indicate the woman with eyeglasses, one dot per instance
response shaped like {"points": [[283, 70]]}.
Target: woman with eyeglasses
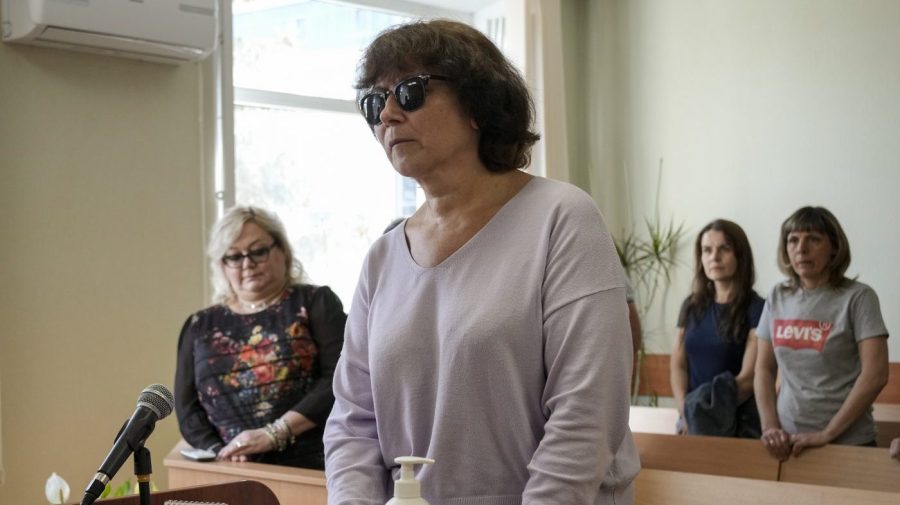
{"points": [[824, 334], [254, 370], [489, 330]]}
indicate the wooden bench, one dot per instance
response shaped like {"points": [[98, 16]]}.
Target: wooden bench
{"points": [[662, 487], [733, 457], [845, 466]]}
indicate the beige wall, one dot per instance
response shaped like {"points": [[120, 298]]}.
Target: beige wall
{"points": [[758, 108], [101, 257]]}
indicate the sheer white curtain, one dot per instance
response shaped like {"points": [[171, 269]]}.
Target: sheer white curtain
{"points": [[545, 73], [572, 65]]}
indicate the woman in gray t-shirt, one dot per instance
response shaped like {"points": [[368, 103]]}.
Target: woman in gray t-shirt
{"points": [[824, 333]]}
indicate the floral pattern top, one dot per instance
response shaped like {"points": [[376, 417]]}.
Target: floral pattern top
{"points": [[241, 371]]}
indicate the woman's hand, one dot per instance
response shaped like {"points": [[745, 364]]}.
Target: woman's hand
{"points": [[777, 442], [895, 448], [678, 378], [803, 441], [681, 427], [247, 442]]}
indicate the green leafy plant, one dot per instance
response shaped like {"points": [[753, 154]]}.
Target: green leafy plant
{"points": [[648, 256], [124, 489]]}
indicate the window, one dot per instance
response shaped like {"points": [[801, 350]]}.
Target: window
{"points": [[300, 147]]}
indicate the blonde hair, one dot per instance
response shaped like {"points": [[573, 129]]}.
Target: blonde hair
{"points": [[228, 228]]}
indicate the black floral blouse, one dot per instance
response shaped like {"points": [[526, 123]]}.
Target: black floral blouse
{"points": [[241, 371]]}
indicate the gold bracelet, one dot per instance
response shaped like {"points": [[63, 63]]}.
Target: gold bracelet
{"points": [[283, 427], [277, 444]]}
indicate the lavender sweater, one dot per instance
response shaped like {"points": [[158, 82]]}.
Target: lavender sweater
{"points": [[509, 364]]}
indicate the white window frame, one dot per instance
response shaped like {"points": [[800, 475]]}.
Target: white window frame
{"points": [[230, 96], [513, 21]]}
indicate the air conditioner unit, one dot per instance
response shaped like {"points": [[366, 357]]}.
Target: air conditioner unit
{"points": [[165, 31]]}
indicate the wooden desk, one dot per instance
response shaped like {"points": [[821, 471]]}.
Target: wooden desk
{"points": [[733, 457], [295, 486], [845, 466], [661, 487]]}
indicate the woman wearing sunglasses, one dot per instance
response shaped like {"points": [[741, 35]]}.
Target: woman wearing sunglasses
{"points": [[254, 370], [489, 330]]}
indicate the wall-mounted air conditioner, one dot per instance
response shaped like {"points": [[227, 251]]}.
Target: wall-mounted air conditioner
{"points": [[166, 31]]}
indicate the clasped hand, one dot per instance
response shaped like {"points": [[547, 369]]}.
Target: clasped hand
{"points": [[781, 444]]}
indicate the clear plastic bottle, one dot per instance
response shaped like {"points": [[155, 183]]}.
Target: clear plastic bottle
{"points": [[407, 490]]}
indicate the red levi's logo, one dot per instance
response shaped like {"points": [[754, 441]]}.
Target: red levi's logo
{"points": [[801, 334]]}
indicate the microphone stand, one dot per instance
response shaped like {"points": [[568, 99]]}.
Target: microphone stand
{"points": [[142, 470]]}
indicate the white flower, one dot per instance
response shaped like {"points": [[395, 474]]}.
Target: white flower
{"points": [[56, 489]]}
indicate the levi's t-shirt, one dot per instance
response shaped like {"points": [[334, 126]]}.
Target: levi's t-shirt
{"points": [[815, 334]]}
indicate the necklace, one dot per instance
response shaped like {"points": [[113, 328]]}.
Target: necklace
{"points": [[255, 306], [260, 305]]}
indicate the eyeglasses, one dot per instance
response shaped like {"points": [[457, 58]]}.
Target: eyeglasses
{"points": [[256, 256], [410, 95]]}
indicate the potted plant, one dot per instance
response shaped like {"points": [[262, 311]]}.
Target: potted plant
{"points": [[648, 256]]}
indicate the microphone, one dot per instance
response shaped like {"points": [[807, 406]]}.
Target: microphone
{"points": [[154, 403]]}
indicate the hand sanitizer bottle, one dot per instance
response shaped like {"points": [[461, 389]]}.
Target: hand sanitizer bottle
{"points": [[407, 490]]}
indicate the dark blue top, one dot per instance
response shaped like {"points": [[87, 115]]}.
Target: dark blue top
{"points": [[708, 354]]}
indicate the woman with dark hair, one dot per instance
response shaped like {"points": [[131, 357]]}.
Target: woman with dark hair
{"points": [[712, 361], [824, 334], [489, 330]]}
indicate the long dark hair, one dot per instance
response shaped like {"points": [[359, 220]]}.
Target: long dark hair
{"points": [[731, 325]]}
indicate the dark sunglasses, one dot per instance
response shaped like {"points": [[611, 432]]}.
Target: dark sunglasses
{"points": [[410, 95]]}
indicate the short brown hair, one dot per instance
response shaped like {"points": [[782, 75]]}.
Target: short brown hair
{"points": [[817, 219], [489, 88]]}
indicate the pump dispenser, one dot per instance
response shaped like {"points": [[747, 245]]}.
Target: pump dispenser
{"points": [[407, 490]]}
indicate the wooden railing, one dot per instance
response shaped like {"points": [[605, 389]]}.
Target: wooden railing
{"points": [[869, 468], [732, 457], [655, 382], [294, 486], [663, 487], [677, 470], [845, 466]]}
